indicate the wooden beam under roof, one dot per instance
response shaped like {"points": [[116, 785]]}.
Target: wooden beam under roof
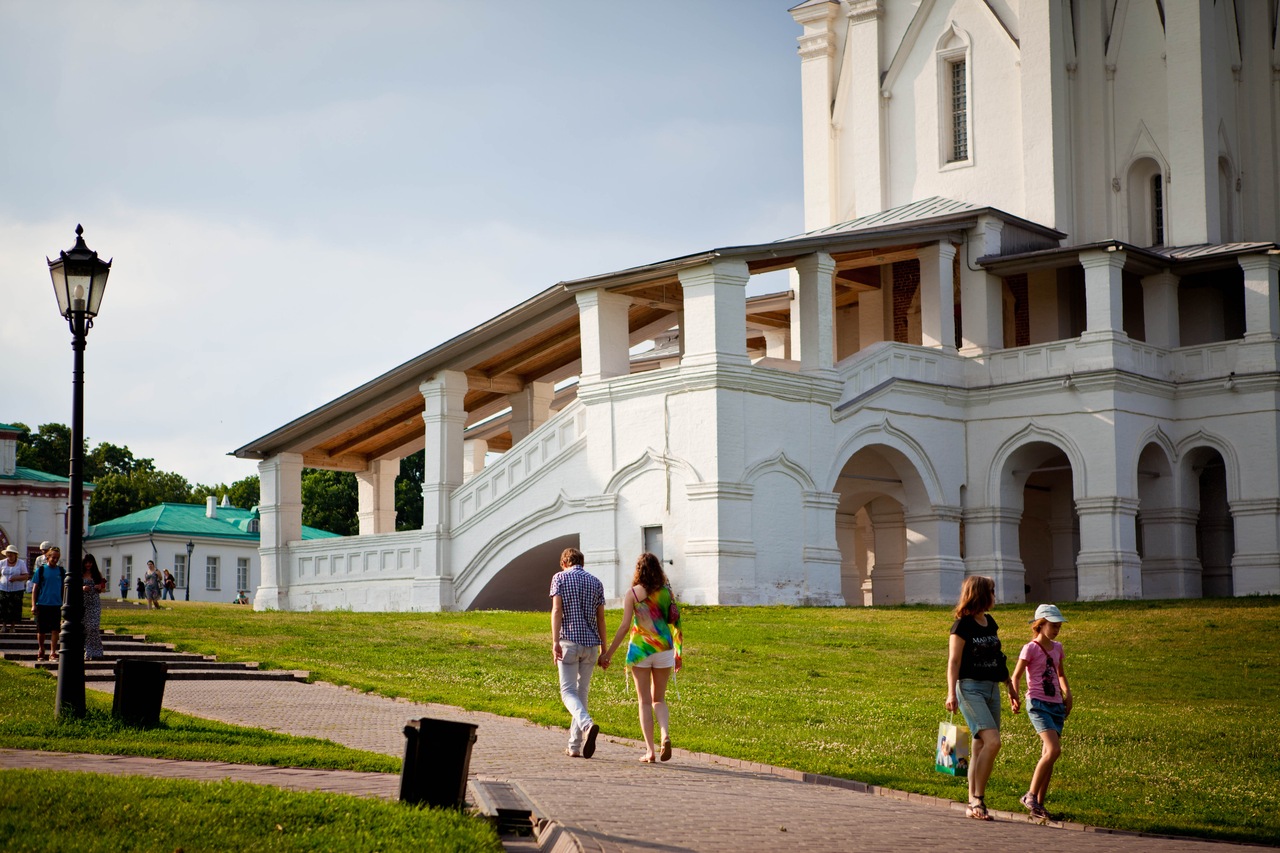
{"points": [[509, 360], [876, 257], [352, 463], [368, 430]]}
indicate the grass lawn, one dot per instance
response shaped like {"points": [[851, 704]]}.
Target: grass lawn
{"points": [[27, 722], [1174, 730], [48, 811]]}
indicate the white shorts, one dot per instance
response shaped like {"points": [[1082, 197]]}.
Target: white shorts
{"points": [[657, 660]]}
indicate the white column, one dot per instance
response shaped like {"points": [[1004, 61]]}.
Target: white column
{"points": [[715, 313], [871, 319], [1160, 309], [937, 296], [1063, 533], [777, 343], [24, 506], [1103, 293], [981, 293], [992, 549], [474, 451], [933, 570], [444, 418], [891, 553], [279, 523], [1108, 565], [1261, 297], [1192, 207], [814, 309], [1255, 567], [817, 86], [376, 491], [822, 582], [602, 320], [863, 138], [530, 408], [1170, 567]]}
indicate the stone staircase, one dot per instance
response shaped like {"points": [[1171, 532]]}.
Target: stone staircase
{"points": [[20, 647]]}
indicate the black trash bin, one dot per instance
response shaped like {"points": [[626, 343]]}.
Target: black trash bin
{"points": [[139, 691], [437, 759]]}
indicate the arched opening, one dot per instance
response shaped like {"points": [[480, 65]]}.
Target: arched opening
{"points": [[1206, 477], [876, 486], [523, 583], [1146, 188], [1040, 496], [1166, 530]]}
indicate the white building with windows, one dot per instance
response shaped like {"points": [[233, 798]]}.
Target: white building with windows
{"points": [[223, 548], [33, 504], [1033, 332]]}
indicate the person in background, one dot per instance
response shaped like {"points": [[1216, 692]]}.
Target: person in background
{"points": [[13, 583], [652, 617], [152, 583], [242, 598], [46, 601], [141, 589], [124, 587], [94, 585], [169, 585], [577, 631], [39, 561]]}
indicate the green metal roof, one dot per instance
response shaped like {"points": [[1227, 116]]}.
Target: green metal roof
{"points": [[9, 428], [188, 520], [20, 473]]}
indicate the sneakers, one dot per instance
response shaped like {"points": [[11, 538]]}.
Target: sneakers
{"points": [[589, 748], [1032, 805]]}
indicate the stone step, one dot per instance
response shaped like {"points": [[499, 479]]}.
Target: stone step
{"points": [[109, 664], [214, 675], [14, 644], [31, 654]]}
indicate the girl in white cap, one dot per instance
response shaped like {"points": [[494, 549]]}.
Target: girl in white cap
{"points": [[1050, 695]]}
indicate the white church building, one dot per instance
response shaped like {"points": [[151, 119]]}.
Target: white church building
{"points": [[1032, 332]]}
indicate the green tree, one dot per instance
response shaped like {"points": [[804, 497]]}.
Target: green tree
{"points": [[409, 492], [48, 449], [120, 494], [246, 493], [108, 458], [330, 501]]}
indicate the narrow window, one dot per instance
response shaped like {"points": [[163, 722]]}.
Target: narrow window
{"points": [[959, 112], [106, 571], [242, 573], [1157, 208], [180, 570], [126, 567], [211, 573]]}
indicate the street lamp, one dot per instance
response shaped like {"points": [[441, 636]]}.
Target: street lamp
{"points": [[191, 546], [79, 280]]}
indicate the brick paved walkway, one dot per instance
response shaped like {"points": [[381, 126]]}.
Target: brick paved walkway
{"points": [[708, 803]]}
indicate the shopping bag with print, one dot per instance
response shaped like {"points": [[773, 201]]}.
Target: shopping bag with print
{"points": [[951, 755]]}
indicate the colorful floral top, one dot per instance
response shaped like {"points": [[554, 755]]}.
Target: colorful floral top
{"points": [[655, 626]]}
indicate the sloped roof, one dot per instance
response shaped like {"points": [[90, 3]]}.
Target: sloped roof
{"points": [[189, 520], [917, 211]]}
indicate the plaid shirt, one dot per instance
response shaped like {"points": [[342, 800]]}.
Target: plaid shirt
{"points": [[581, 596]]}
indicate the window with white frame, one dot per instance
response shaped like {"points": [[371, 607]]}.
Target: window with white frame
{"points": [[211, 580], [955, 108], [126, 567], [180, 570], [106, 570], [242, 573]]}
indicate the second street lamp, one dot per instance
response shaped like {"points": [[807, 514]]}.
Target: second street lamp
{"points": [[79, 280], [191, 547]]}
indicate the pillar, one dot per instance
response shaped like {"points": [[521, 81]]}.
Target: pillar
{"points": [[872, 323], [821, 555], [1261, 297], [1108, 565], [981, 293], [376, 491], [813, 313], [443, 418], [1194, 215], [777, 343], [817, 91], [1170, 567], [992, 549], [279, 523], [890, 532], [863, 142], [937, 296], [715, 311], [474, 451], [933, 570], [1103, 293], [605, 335], [1255, 567], [24, 506], [530, 408], [1064, 533], [1160, 309]]}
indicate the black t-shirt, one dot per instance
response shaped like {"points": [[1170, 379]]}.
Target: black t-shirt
{"points": [[981, 659]]}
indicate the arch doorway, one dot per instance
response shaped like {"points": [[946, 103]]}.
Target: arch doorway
{"points": [[1040, 495], [1205, 476]]}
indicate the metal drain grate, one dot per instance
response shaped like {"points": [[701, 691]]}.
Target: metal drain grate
{"points": [[506, 804]]}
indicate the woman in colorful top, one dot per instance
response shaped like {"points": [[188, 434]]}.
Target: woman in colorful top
{"points": [[151, 584], [975, 669], [1050, 695], [94, 585], [652, 618]]}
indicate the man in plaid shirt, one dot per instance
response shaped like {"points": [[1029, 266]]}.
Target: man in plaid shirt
{"points": [[577, 629]]}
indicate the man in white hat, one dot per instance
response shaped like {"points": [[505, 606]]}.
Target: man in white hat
{"points": [[40, 560], [13, 583]]}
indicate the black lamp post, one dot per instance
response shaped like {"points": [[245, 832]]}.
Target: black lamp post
{"points": [[191, 547], [79, 279]]}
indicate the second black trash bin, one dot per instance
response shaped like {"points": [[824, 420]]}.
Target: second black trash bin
{"points": [[437, 760], [139, 692]]}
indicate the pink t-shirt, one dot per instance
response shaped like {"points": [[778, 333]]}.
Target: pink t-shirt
{"points": [[1042, 671]]}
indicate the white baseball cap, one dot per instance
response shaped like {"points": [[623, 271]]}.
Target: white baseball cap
{"points": [[1050, 612]]}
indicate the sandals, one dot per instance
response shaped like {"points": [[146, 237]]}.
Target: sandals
{"points": [[666, 750], [1031, 804], [978, 810]]}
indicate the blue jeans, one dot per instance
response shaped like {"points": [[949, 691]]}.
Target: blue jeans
{"points": [[576, 665], [167, 593]]}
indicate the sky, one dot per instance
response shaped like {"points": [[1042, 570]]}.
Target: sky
{"points": [[300, 196]]}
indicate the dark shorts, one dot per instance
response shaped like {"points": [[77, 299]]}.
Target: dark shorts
{"points": [[10, 606], [48, 618]]}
